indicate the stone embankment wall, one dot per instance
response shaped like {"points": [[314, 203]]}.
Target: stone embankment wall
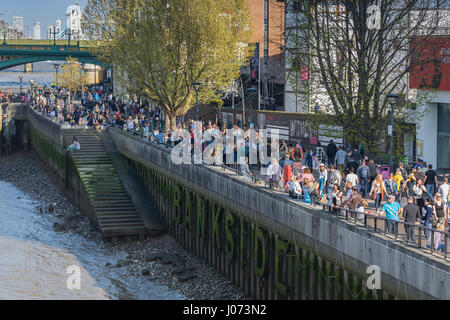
{"points": [[270, 245], [46, 141]]}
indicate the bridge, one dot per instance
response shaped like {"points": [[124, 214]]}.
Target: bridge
{"points": [[18, 52]]}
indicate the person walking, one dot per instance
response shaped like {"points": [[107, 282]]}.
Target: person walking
{"points": [[341, 156], [297, 166], [398, 177], [426, 219], [392, 210], [331, 152], [378, 190], [355, 158], [402, 170], [309, 159], [403, 194], [323, 177], [363, 174], [444, 191], [372, 172], [334, 178], [439, 209], [298, 152], [411, 213], [391, 185], [352, 178], [430, 181], [418, 191]]}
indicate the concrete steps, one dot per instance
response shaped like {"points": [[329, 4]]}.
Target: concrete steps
{"points": [[115, 213]]}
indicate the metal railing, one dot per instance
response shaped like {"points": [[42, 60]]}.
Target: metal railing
{"points": [[381, 224], [372, 222]]}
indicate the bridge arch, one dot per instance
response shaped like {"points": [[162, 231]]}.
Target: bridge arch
{"points": [[6, 64]]}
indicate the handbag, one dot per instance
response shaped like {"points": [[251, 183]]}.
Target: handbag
{"points": [[374, 196], [434, 222]]}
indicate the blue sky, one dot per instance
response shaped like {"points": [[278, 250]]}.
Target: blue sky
{"points": [[45, 11]]}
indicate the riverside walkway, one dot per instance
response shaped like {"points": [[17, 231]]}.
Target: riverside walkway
{"points": [[271, 245]]}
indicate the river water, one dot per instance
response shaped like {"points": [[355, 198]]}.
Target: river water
{"points": [[34, 259], [43, 73]]}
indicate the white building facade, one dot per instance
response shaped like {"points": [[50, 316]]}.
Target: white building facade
{"points": [[37, 31], [54, 31]]}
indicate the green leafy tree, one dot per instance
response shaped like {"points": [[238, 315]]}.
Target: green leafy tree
{"points": [[71, 77], [161, 47]]}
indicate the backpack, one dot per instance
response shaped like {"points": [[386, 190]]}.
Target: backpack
{"points": [[298, 153], [364, 172], [307, 197]]}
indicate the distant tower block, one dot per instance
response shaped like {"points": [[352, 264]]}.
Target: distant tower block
{"points": [[37, 31]]}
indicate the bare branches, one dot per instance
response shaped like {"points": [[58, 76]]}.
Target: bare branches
{"points": [[357, 66]]}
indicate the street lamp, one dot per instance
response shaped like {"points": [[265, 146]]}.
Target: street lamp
{"points": [[392, 99], [196, 88], [4, 36], [20, 78], [251, 92]]}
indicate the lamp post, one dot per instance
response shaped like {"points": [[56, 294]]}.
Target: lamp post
{"points": [[54, 35], [4, 36], [392, 98], [68, 33], [251, 92], [20, 78], [196, 88], [56, 72]]}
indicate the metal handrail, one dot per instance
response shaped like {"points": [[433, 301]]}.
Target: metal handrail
{"points": [[351, 216]]}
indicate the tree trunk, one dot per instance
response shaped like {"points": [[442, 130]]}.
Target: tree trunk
{"points": [[171, 122]]}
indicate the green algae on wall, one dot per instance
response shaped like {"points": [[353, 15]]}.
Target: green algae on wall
{"points": [[262, 263]]}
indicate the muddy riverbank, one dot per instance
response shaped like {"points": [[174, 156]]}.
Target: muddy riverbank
{"points": [[154, 260]]}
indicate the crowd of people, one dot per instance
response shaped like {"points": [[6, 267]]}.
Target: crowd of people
{"points": [[349, 181], [342, 178]]}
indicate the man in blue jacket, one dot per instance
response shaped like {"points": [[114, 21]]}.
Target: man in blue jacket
{"points": [[392, 211]]}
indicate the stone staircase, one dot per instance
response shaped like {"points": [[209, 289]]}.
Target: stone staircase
{"points": [[115, 212]]}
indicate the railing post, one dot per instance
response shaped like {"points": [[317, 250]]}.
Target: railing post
{"points": [[419, 234], [445, 245], [365, 220], [375, 222], [346, 214], [432, 240], [396, 229]]}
